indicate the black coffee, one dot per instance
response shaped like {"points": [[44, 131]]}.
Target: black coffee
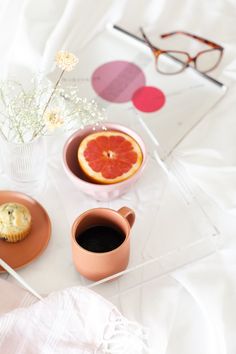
{"points": [[100, 239]]}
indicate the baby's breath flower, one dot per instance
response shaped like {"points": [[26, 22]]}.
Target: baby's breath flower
{"points": [[52, 119], [28, 114], [66, 60]]}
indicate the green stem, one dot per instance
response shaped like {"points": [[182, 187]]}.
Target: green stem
{"points": [[47, 104], [3, 135], [18, 130], [53, 91]]}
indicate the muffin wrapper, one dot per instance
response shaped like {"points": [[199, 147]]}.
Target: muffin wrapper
{"points": [[16, 237]]}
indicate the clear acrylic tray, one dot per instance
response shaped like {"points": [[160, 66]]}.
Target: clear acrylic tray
{"points": [[172, 225]]}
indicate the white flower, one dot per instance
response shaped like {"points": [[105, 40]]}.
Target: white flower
{"points": [[25, 116], [66, 60], [52, 119]]}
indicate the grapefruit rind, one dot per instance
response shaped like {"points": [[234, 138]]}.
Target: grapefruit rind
{"points": [[98, 177]]}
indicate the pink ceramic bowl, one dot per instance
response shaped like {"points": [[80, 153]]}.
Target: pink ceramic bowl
{"points": [[102, 192]]}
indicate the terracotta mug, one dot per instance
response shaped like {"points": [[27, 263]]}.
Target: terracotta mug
{"points": [[98, 265]]}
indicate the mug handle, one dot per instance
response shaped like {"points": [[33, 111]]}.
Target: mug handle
{"points": [[128, 214]]}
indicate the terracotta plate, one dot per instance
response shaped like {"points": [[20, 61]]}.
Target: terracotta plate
{"points": [[23, 252]]}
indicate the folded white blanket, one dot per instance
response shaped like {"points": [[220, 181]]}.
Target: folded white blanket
{"points": [[75, 320]]}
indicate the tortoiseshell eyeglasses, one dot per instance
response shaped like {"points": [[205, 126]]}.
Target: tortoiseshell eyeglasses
{"points": [[204, 61]]}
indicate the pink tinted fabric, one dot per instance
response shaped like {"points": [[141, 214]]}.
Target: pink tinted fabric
{"points": [[116, 81], [13, 296]]}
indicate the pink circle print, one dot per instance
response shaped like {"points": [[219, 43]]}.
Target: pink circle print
{"points": [[117, 81], [148, 99]]}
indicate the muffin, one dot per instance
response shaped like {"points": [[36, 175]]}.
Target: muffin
{"points": [[15, 222]]}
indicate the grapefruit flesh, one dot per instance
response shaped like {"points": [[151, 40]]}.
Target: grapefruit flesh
{"points": [[108, 157]]}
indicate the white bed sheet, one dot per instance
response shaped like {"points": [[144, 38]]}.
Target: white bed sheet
{"points": [[192, 310]]}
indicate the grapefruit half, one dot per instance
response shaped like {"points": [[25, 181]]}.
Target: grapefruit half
{"points": [[108, 157]]}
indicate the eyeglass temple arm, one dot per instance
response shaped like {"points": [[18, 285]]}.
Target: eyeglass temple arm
{"points": [[154, 48], [200, 39], [157, 50]]}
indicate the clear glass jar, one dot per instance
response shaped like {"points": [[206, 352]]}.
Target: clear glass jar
{"points": [[24, 165]]}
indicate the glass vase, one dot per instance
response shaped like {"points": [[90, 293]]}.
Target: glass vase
{"points": [[24, 165]]}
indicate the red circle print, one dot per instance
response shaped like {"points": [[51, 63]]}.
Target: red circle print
{"points": [[148, 99], [116, 81]]}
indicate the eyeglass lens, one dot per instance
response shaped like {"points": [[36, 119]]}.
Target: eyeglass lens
{"points": [[208, 60], [171, 62]]}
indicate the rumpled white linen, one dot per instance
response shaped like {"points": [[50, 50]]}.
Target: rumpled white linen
{"points": [[193, 309], [75, 320], [34, 32]]}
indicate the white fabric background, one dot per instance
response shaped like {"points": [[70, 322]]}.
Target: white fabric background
{"points": [[195, 305]]}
